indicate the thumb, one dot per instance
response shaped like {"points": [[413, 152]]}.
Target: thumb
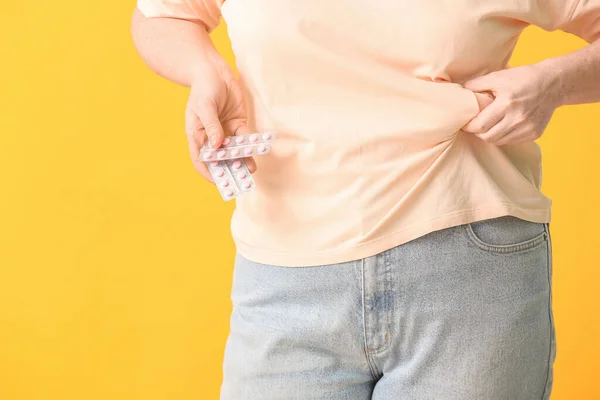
{"points": [[209, 116], [481, 83], [484, 99]]}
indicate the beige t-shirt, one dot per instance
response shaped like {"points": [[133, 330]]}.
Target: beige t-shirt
{"points": [[367, 100]]}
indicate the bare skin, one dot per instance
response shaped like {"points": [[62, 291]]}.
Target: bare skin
{"points": [[516, 104], [526, 97], [183, 52]]}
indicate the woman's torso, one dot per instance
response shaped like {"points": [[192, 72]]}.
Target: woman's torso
{"points": [[368, 103]]}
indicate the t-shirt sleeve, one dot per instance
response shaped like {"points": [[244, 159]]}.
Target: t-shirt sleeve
{"points": [[579, 17], [206, 12]]}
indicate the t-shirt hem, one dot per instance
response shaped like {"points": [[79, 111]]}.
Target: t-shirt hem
{"points": [[376, 246]]}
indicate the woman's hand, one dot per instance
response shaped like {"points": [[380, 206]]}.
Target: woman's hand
{"points": [[521, 109], [182, 51], [215, 109]]}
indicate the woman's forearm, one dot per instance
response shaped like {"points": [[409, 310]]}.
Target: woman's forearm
{"points": [[574, 77], [173, 48]]}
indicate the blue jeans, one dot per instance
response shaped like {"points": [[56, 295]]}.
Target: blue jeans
{"points": [[458, 314]]}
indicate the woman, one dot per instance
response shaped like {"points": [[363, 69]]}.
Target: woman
{"points": [[397, 244]]}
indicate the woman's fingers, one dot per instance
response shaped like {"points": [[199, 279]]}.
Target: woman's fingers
{"points": [[238, 127], [209, 118], [199, 165], [487, 118], [251, 164], [203, 169], [484, 99], [196, 138], [197, 130], [496, 132]]}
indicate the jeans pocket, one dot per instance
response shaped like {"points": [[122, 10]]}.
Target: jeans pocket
{"points": [[506, 234]]}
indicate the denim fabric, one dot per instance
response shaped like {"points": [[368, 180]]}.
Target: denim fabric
{"points": [[458, 314]]}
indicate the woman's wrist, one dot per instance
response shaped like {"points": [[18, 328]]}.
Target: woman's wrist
{"points": [[551, 72], [212, 67], [205, 59], [573, 78]]}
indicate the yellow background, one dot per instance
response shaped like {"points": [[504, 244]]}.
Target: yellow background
{"points": [[115, 256]]}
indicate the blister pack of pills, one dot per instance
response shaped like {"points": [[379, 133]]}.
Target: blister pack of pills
{"points": [[232, 177], [226, 163], [234, 147]]}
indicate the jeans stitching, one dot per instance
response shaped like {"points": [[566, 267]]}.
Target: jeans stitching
{"points": [[547, 390], [372, 367], [387, 284], [505, 249]]}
